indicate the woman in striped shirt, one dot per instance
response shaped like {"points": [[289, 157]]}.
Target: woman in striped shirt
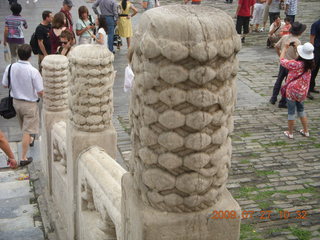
{"points": [[13, 34]]}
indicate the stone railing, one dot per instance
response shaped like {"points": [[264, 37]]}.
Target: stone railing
{"points": [[185, 65]]}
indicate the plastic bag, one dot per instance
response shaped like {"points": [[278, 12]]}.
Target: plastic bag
{"points": [[128, 79], [7, 56], [157, 3]]}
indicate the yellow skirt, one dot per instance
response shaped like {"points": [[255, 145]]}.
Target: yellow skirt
{"points": [[125, 27]]}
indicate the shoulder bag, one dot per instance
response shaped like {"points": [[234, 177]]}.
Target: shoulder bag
{"points": [[6, 104]]}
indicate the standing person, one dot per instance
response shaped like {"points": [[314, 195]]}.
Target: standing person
{"points": [[85, 26], [197, 2], [243, 14], [295, 32], [102, 35], [291, 9], [26, 88], [275, 31], [274, 9], [66, 41], [108, 9], [42, 34], [299, 74], [258, 14], [4, 145], [58, 25], [124, 22], [315, 40], [66, 8], [13, 34]]}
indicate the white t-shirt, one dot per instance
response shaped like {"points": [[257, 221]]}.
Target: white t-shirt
{"points": [[105, 36], [26, 81]]}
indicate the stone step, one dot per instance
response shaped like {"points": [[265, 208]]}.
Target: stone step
{"points": [[31, 233], [15, 189]]}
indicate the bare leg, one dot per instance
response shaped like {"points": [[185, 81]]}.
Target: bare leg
{"points": [[25, 145], [290, 126], [304, 122], [128, 42]]}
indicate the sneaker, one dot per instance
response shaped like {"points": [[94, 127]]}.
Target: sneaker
{"points": [[303, 133], [287, 134], [314, 91], [272, 101], [243, 39], [282, 106], [310, 96], [261, 30]]}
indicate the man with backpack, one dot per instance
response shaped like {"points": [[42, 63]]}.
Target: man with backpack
{"points": [[41, 43]]}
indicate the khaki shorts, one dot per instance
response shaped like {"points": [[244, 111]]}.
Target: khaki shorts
{"points": [[28, 116]]}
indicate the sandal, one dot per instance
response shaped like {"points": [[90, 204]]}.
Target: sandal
{"points": [[290, 136], [26, 162], [33, 137], [303, 133]]}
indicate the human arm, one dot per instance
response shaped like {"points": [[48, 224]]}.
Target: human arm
{"points": [[115, 11], [95, 6], [313, 33], [82, 29], [42, 47], [312, 37], [135, 11], [37, 82], [4, 145], [5, 77], [5, 35], [25, 25], [238, 8]]}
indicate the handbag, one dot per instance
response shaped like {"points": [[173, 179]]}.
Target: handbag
{"points": [[6, 105], [283, 89], [128, 79]]}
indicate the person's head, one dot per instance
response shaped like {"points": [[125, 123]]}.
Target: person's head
{"points": [[297, 28], [306, 55], [67, 5], [83, 12], [277, 19], [59, 20], [287, 20], [102, 23], [24, 52], [66, 38], [16, 9], [47, 16]]}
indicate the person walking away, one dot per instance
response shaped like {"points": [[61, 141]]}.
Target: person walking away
{"points": [[274, 9], [196, 2], [291, 9], [26, 88], [4, 145], [109, 10], [315, 40], [243, 14], [58, 25], [102, 35], [258, 14], [85, 26], [13, 34], [42, 34], [124, 22], [275, 31], [295, 32], [299, 75], [66, 41], [66, 10]]}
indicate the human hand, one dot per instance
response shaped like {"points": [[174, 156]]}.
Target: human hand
{"points": [[128, 17], [12, 163]]}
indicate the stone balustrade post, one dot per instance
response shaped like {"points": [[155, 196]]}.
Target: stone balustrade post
{"points": [[185, 66], [55, 105], [90, 120]]}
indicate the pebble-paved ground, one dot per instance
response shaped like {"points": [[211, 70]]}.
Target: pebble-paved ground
{"points": [[274, 179]]}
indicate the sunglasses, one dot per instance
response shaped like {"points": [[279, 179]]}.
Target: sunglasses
{"points": [[63, 42]]}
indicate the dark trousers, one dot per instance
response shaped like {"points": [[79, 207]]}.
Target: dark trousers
{"points": [[242, 22], [283, 72], [272, 16], [292, 18], [315, 71]]}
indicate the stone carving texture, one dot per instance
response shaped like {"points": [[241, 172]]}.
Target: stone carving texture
{"points": [[55, 76], [59, 144], [181, 107], [91, 81]]}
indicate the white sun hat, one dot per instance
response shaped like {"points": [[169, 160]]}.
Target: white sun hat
{"points": [[306, 51]]}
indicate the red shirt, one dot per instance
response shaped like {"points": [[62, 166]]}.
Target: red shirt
{"points": [[245, 7]]}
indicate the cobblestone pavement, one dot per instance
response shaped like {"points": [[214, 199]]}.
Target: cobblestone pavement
{"points": [[269, 172]]}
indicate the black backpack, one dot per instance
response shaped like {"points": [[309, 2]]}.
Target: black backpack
{"points": [[34, 44]]}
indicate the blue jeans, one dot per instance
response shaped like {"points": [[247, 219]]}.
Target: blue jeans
{"points": [[111, 26], [292, 105]]}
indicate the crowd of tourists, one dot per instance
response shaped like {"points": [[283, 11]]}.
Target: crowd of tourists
{"points": [[57, 34]]}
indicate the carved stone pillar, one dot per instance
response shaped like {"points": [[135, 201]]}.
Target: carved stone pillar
{"points": [[185, 65], [55, 105], [91, 107]]}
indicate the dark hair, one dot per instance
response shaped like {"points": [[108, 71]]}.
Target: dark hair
{"points": [[82, 10], [308, 65], [287, 19], [124, 4], [16, 9], [58, 20], [66, 34], [103, 23], [45, 14], [24, 52], [276, 17]]}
